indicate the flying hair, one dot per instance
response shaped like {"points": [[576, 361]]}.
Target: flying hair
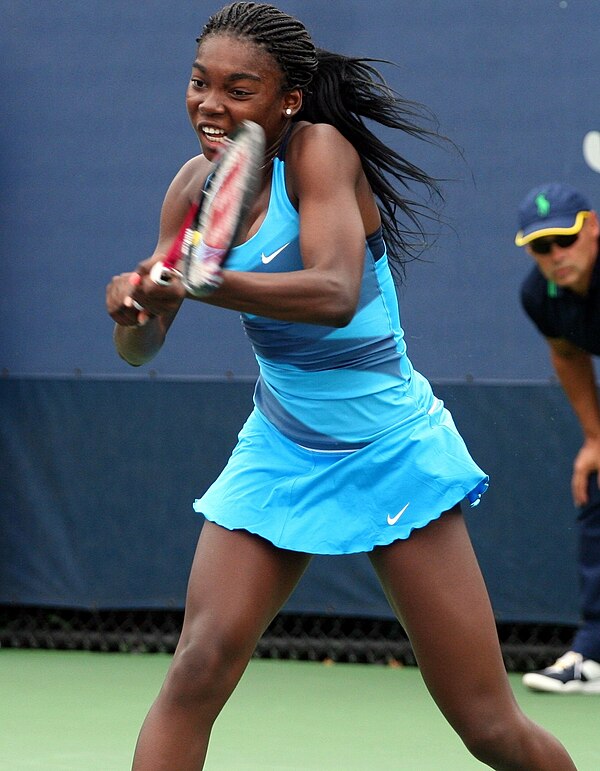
{"points": [[345, 92]]}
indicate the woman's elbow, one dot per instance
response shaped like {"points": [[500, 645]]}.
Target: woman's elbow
{"points": [[341, 309], [343, 318]]}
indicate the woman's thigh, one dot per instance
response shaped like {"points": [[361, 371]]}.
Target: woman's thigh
{"points": [[238, 582], [434, 584]]}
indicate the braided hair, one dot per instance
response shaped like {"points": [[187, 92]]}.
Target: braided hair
{"points": [[344, 91], [283, 36]]}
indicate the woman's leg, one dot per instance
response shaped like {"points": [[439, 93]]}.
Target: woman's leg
{"points": [[434, 585], [237, 584]]}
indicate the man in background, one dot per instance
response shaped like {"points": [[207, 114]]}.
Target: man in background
{"points": [[561, 295]]}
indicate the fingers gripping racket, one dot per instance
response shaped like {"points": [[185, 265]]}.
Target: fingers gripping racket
{"points": [[212, 226]]}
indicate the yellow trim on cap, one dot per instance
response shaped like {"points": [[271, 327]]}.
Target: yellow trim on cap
{"points": [[521, 240]]}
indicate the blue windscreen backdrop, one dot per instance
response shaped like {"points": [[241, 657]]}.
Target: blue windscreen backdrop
{"points": [[100, 462]]}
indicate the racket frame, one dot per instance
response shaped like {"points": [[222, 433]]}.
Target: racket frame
{"points": [[245, 145]]}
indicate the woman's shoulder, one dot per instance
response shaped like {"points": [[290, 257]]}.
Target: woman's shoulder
{"points": [[195, 167], [191, 177], [322, 162], [307, 134], [320, 146]]}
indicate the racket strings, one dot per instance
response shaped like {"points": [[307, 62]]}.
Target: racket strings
{"points": [[223, 216], [183, 239]]}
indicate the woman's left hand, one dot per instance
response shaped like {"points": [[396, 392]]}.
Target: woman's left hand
{"points": [[151, 298]]}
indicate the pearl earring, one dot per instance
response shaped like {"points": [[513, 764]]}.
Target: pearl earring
{"points": [[288, 110]]}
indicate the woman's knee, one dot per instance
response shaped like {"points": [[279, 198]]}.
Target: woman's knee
{"points": [[492, 738], [206, 669]]}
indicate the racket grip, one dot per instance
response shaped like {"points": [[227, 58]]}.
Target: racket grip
{"points": [[162, 275], [202, 273]]}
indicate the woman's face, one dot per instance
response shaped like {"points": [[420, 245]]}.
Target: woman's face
{"points": [[232, 80]]}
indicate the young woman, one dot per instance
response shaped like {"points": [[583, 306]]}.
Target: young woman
{"points": [[347, 448]]}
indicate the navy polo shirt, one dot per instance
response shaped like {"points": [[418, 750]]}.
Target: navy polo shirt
{"points": [[558, 312]]}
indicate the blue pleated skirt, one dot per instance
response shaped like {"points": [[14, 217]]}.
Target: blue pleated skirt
{"points": [[343, 502]]}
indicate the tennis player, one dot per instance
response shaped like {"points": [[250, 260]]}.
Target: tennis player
{"points": [[347, 449]]}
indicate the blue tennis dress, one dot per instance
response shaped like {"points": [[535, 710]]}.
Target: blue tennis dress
{"points": [[347, 448]]}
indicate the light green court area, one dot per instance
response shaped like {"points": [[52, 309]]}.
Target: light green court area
{"points": [[78, 711]]}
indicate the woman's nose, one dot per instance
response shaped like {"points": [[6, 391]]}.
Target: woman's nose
{"points": [[210, 103]]}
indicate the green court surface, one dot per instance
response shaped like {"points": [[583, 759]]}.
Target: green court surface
{"points": [[79, 711]]}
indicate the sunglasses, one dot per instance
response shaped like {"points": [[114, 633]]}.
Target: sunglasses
{"points": [[544, 245]]}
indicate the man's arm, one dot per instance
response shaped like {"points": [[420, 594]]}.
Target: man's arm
{"points": [[575, 370]]}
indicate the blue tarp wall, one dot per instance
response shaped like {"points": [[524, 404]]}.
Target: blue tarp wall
{"points": [[99, 463]]}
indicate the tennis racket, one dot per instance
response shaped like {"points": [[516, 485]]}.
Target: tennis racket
{"points": [[212, 225]]}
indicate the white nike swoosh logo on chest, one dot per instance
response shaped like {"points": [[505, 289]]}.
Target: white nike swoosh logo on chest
{"points": [[267, 259]]}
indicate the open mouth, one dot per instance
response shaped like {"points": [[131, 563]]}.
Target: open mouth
{"points": [[213, 135]]}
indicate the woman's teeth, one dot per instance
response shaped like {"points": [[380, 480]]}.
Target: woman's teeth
{"points": [[215, 135]]}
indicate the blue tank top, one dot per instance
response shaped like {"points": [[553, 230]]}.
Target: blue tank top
{"points": [[328, 388]]}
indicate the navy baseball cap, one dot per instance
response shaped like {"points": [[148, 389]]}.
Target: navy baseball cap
{"points": [[552, 209]]}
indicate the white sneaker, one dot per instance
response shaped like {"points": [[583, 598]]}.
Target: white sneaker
{"points": [[571, 673]]}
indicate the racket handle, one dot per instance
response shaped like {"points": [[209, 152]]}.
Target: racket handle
{"points": [[162, 275], [202, 271]]}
